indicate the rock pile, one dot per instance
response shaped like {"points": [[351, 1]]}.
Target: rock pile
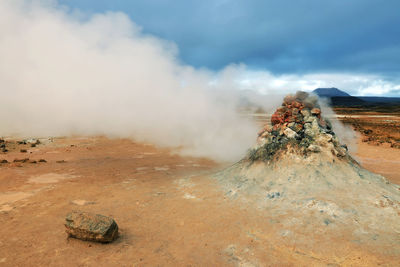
{"points": [[299, 175], [298, 124]]}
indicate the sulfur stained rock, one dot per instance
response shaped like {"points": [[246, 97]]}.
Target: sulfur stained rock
{"points": [[91, 227]]}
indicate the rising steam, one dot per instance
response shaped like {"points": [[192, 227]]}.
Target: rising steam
{"points": [[65, 73], [62, 75]]}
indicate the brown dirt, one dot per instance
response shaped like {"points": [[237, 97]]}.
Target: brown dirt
{"points": [[379, 143], [167, 214], [377, 126]]}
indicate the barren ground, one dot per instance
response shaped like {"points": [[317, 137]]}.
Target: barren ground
{"points": [[167, 214]]}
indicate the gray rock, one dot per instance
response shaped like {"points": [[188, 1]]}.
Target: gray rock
{"points": [[340, 152], [290, 133], [91, 227], [305, 112], [314, 148], [310, 119]]}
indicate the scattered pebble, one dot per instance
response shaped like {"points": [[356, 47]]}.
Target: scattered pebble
{"points": [[161, 168], [81, 202], [189, 196], [21, 160]]}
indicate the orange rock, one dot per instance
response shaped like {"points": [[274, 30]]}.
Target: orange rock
{"points": [[315, 111], [296, 104], [276, 119]]}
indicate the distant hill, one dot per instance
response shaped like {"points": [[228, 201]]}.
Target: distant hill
{"points": [[338, 97], [346, 101], [330, 92], [380, 99]]}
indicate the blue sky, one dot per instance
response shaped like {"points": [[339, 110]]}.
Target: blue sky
{"points": [[302, 37]]}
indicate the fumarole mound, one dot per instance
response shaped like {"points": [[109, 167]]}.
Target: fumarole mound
{"points": [[297, 128], [300, 173]]}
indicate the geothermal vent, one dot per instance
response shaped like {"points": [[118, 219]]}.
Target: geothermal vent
{"points": [[298, 129], [299, 172]]}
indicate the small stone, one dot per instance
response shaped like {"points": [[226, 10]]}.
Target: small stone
{"points": [[32, 141], [21, 160], [314, 148], [91, 227], [42, 160], [4, 161], [309, 119], [61, 161], [339, 152], [315, 111], [296, 105], [291, 125], [23, 150], [276, 119], [305, 112], [298, 127], [290, 133]]}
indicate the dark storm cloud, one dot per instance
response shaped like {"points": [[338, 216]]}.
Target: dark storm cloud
{"points": [[283, 36]]}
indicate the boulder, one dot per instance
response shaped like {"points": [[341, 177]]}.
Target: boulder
{"points": [[91, 227]]}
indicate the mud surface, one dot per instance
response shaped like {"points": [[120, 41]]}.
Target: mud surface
{"points": [[169, 213]]}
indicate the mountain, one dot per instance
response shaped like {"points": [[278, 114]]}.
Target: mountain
{"points": [[338, 97], [330, 92]]}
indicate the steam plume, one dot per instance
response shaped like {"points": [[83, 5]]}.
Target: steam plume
{"points": [[61, 74]]}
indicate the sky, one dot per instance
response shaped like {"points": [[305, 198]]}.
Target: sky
{"points": [[174, 73], [359, 39]]}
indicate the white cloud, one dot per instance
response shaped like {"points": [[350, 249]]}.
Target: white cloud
{"points": [[355, 84]]}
